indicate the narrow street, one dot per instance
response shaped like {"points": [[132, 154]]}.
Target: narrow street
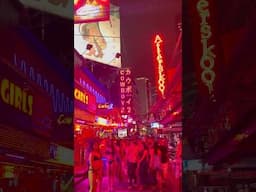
{"points": [[82, 185]]}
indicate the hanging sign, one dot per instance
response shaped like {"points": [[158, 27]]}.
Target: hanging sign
{"points": [[126, 91]]}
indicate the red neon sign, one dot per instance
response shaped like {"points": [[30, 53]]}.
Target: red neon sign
{"points": [[161, 76]]}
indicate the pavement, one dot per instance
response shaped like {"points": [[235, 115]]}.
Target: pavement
{"points": [[82, 185]]}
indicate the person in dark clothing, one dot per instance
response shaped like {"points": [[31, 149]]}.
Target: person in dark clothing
{"points": [[144, 166]]}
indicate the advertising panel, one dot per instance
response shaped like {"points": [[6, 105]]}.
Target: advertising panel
{"points": [[63, 8], [34, 89], [91, 10], [100, 41]]}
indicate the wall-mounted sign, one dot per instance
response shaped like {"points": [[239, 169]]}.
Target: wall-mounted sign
{"points": [[16, 96], [64, 119], [126, 91], [161, 76], [63, 8], [207, 59], [91, 10], [105, 106], [81, 96], [33, 83]]}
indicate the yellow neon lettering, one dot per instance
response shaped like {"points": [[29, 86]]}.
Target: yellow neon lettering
{"points": [[64, 120], [18, 98], [15, 96], [4, 88], [24, 102], [202, 5], [11, 94], [207, 59], [79, 95], [30, 105]]}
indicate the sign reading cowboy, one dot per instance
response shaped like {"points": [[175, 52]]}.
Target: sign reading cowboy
{"points": [[63, 8]]}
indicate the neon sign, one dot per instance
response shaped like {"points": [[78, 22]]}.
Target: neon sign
{"points": [[62, 119], [161, 71], [105, 106], [126, 91], [17, 97], [81, 96], [207, 59]]}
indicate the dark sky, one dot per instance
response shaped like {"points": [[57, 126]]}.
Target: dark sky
{"points": [[140, 21]]}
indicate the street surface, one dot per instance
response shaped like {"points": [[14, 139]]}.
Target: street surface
{"points": [[82, 185]]}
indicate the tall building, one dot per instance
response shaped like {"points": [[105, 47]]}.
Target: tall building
{"points": [[142, 97]]}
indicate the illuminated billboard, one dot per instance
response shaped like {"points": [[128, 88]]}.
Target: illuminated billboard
{"points": [[91, 10], [61, 8], [100, 41]]}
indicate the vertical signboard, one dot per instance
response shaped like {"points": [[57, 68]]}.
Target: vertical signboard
{"points": [[161, 76], [205, 49], [126, 91]]}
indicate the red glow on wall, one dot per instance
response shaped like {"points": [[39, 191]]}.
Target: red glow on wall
{"points": [[160, 69]]}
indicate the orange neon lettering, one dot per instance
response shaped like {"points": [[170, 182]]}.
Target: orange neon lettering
{"points": [[159, 58]]}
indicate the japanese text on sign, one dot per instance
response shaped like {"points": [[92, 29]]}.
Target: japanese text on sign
{"points": [[126, 91]]}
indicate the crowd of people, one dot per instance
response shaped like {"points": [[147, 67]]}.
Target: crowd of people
{"points": [[142, 163]]}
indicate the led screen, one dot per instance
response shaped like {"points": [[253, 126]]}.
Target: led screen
{"points": [[100, 41]]}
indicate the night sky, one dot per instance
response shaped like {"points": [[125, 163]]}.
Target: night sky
{"points": [[140, 21]]}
